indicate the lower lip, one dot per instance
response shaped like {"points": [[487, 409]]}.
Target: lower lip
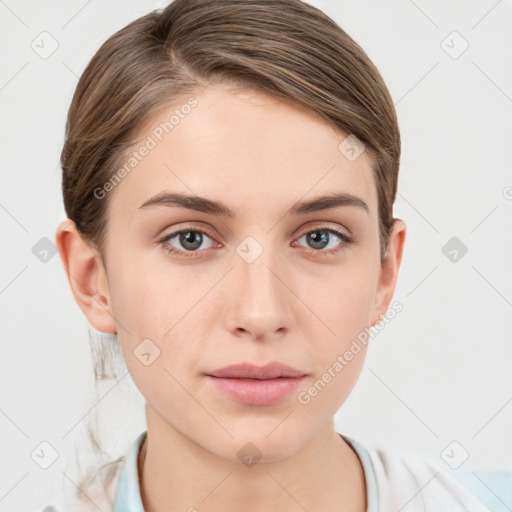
{"points": [[256, 392]]}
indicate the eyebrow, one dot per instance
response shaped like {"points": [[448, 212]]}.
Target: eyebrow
{"points": [[202, 204]]}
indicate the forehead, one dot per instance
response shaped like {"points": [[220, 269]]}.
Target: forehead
{"points": [[244, 148]]}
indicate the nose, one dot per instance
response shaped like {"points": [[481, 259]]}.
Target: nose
{"points": [[259, 298]]}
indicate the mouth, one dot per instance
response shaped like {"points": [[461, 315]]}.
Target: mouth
{"points": [[256, 385], [250, 371]]}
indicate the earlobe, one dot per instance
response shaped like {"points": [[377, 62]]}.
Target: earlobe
{"points": [[86, 275], [389, 271]]}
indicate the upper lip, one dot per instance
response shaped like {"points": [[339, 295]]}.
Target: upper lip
{"points": [[250, 371]]}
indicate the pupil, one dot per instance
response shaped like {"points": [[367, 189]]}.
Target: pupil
{"points": [[190, 237], [319, 239]]}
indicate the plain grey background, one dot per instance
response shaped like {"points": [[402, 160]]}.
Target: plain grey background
{"points": [[439, 373]]}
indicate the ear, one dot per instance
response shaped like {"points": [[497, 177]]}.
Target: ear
{"points": [[86, 275], [389, 271]]}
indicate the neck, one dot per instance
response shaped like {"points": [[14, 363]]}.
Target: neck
{"points": [[177, 474]]}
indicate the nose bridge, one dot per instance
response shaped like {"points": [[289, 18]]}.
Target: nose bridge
{"points": [[260, 304]]}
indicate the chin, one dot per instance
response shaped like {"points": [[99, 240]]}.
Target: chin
{"points": [[262, 441]]}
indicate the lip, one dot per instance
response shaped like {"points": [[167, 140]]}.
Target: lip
{"points": [[252, 371], [256, 385]]}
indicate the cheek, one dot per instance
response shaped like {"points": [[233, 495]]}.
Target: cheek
{"points": [[154, 331], [339, 346], [146, 296], [152, 300], [138, 302], [342, 301], [328, 389]]}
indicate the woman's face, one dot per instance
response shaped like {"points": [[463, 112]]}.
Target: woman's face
{"points": [[269, 283]]}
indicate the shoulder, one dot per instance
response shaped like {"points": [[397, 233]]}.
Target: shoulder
{"points": [[412, 484], [97, 493]]}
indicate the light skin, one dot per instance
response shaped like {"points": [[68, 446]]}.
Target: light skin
{"points": [[293, 303]]}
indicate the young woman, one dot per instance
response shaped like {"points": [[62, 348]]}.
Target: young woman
{"points": [[229, 174]]}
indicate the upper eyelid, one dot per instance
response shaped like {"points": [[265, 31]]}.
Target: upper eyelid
{"points": [[175, 232], [324, 225], [314, 227]]}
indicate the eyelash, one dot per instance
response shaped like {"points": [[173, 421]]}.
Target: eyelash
{"points": [[346, 240]]}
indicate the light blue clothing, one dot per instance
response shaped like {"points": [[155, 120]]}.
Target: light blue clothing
{"points": [[394, 482], [128, 494], [496, 493]]}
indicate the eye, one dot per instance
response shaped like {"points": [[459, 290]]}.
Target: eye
{"points": [[326, 241], [188, 241]]}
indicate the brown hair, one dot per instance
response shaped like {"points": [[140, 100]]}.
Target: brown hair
{"points": [[284, 48]]}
